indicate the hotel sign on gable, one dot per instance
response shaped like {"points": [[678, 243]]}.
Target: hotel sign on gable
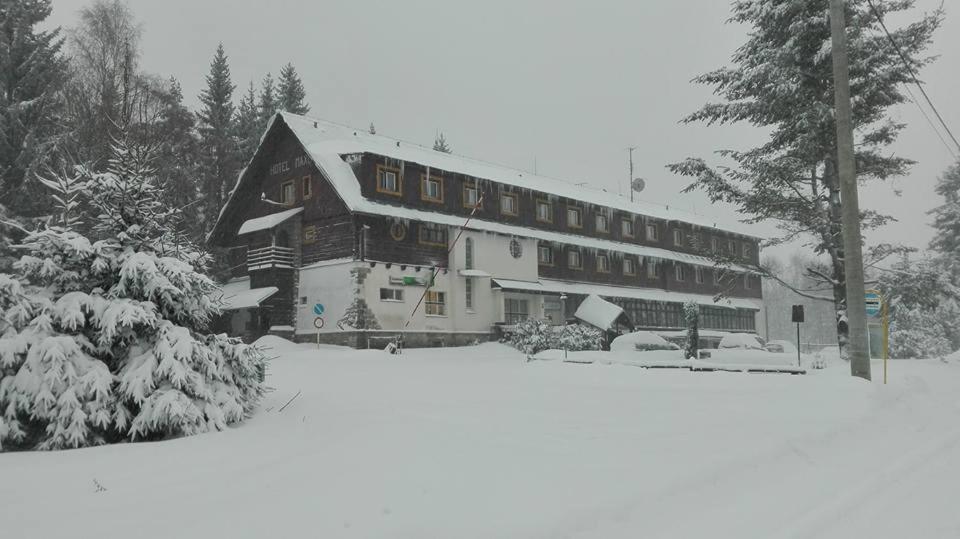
{"points": [[284, 166]]}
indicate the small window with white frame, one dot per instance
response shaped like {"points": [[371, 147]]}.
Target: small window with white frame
{"points": [[732, 246], [603, 263], [471, 195], [653, 232], [652, 272], [545, 255], [746, 251], [679, 272], [574, 260], [288, 192], [677, 237], [574, 217], [508, 204], [544, 211], [431, 188], [717, 276], [388, 180], [626, 227], [714, 245], [628, 266], [391, 294], [603, 221], [698, 274], [436, 303]]}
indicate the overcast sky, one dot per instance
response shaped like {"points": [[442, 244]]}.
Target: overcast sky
{"points": [[566, 85]]}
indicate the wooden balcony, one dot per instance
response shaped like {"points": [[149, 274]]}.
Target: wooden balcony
{"points": [[272, 256]]}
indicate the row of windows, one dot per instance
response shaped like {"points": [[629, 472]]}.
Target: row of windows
{"points": [[435, 302], [431, 190], [545, 256], [654, 314]]}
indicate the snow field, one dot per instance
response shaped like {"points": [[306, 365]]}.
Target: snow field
{"points": [[476, 442]]}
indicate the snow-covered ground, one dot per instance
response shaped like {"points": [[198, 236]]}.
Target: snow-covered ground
{"points": [[476, 442]]}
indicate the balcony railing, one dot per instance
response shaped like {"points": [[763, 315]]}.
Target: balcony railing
{"points": [[272, 256]]}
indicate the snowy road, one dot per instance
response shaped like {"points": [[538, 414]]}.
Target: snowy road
{"points": [[474, 442]]}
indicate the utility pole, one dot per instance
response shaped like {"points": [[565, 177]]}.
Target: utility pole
{"points": [[852, 255], [630, 179]]}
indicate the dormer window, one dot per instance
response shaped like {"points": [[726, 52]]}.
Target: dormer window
{"points": [[677, 237], [388, 180], [574, 217], [603, 222], [544, 211], [508, 204], [431, 188], [653, 232]]}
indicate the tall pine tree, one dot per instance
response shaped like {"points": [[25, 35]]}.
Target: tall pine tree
{"points": [[781, 79], [32, 72], [177, 159], [292, 96], [248, 125], [217, 147], [946, 217], [268, 103]]}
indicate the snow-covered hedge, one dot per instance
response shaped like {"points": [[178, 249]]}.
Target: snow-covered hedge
{"points": [[533, 335], [104, 341]]}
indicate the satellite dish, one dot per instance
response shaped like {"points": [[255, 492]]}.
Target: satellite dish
{"points": [[638, 184]]}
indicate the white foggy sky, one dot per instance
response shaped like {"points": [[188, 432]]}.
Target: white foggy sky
{"points": [[570, 84]]}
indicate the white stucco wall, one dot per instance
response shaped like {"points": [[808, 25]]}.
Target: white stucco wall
{"points": [[330, 284]]}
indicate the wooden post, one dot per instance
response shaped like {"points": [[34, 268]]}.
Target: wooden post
{"points": [[852, 255]]}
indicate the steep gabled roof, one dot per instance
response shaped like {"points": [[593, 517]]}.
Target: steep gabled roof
{"points": [[326, 143]]}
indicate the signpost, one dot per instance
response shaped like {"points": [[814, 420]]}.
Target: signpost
{"points": [[798, 319], [318, 322]]}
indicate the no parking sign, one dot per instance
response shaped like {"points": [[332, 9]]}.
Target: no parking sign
{"points": [[318, 309]]}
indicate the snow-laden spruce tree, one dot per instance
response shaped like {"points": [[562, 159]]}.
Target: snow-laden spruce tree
{"points": [[946, 221], [104, 339], [781, 79], [358, 314]]}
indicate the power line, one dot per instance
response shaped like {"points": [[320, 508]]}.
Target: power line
{"points": [[913, 74], [913, 99]]}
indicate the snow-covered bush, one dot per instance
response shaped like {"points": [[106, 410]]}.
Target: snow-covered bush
{"points": [[578, 337], [105, 341], [918, 333], [533, 335]]}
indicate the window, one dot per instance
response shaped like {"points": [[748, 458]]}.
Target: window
{"points": [[698, 274], [626, 228], [714, 244], [574, 261], [628, 268], [468, 293], [716, 276], [679, 272], [731, 246], [652, 269], [436, 303], [303, 300], [288, 194], [653, 232], [603, 222], [747, 284], [388, 180], [433, 235], [468, 253], [471, 195], [306, 187], [746, 250], [391, 294], [431, 188], [508, 204], [545, 255], [677, 237], [575, 217], [544, 211], [603, 264], [515, 310]]}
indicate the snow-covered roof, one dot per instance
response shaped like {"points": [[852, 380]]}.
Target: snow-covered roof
{"points": [[598, 312], [326, 142], [267, 221], [609, 291], [246, 299]]}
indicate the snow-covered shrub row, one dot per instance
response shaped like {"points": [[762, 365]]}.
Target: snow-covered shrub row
{"points": [[104, 341], [534, 335]]}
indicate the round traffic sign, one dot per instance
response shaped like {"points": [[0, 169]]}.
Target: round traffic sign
{"points": [[318, 309], [318, 322]]}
